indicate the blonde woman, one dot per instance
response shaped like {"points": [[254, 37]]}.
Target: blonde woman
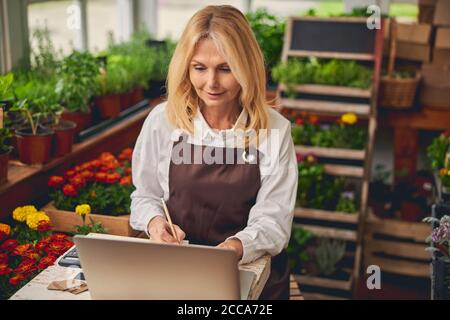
{"points": [[221, 158]]}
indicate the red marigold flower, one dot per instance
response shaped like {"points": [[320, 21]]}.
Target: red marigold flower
{"points": [[58, 236], [106, 156], [128, 171], [21, 249], [55, 181], [300, 157], [78, 168], [3, 235], [446, 133], [126, 154], [100, 177], [9, 245], [16, 279], [46, 261], [69, 174], [87, 175], [112, 178], [41, 244], [44, 226], [86, 166], [4, 269], [78, 181], [70, 190], [96, 163], [299, 121], [3, 258], [125, 181], [57, 248], [26, 267]]}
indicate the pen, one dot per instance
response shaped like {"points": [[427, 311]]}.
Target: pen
{"points": [[172, 229]]}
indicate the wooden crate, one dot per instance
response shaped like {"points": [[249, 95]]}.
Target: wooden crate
{"points": [[65, 221], [397, 246], [294, 290]]}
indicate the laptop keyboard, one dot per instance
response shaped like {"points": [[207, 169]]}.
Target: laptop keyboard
{"points": [[70, 259]]}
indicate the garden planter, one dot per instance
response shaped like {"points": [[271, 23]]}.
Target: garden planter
{"points": [[137, 95], [65, 221], [63, 141], [4, 158], [108, 106], [125, 100], [82, 120], [34, 149]]}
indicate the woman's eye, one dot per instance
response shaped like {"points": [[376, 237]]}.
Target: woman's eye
{"points": [[225, 69], [199, 68]]}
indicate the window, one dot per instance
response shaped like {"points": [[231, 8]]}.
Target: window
{"points": [[102, 18]]}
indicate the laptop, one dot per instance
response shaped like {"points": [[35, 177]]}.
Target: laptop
{"points": [[127, 268]]}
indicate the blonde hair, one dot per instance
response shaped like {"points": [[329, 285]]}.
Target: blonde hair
{"points": [[232, 35]]}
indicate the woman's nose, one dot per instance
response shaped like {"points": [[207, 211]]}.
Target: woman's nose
{"points": [[212, 81]]}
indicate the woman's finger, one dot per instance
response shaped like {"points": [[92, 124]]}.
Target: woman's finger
{"points": [[180, 233]]}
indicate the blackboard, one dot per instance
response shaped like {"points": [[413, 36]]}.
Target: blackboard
{"points": [[332, 36]]}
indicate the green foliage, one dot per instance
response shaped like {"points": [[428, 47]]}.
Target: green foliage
{"points": [[112, 199], [332, 72], [77, 81], [269, 32], [437, 149], [95, 227], [45, 60], [23, 234], [6, 83], [346, 203], [328, 254], [296, 249], [302, 134]]}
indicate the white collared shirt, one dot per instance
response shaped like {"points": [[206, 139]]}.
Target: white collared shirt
{"points": [[270, 220]]}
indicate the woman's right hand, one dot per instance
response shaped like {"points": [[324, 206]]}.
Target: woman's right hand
{"points": [[159, 231]]}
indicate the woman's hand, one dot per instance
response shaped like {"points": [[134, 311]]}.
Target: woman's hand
{"points": [[159, 231], [234, 244]]}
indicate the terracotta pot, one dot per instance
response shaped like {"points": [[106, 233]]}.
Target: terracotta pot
{"points": [[63, 141], [34, 149], [82, 119], [125, 100], [4, 158], [137, 95], [108, 106]]}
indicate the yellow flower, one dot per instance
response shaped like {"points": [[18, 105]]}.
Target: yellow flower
{"points": [[34, 219], [83, 209], [20, 213], [349, 118], [442, 172], [5, 229]]}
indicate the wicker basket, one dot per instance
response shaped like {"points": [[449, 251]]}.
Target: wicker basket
{"points": [[398, 93]]}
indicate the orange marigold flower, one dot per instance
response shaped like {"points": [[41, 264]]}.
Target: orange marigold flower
{"points": [[87, 175], [106, 156], [26, 267], [16, 279], [69, 174], [126, 154], [41, 244], [86, 166], [112, 178], [55, 181], [443, 172], [59, 237], [70, 190], [22, 249], [125, 181], [96, 163], [78, 181], [77, 168], [58, 247], [4, 269], [46, 261], [100, 177], [313, 119]]}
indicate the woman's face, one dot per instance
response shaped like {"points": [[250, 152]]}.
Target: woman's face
{"points": [[211, 77]]}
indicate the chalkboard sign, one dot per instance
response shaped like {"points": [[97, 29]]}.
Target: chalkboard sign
{"points": [[330, 35]]}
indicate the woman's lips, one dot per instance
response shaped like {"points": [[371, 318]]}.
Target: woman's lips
{"points": [[213, 95]]}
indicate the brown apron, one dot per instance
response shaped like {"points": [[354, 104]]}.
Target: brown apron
{"points": [[211, 202]]}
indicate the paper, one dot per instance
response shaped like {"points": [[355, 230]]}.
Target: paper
{"points": [[72, 286]]}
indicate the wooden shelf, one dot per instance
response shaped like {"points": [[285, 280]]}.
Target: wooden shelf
{"points": [[330, 90], [348, 171], [326, 215], [326, 232], [327, 107], [335, 153], [331, 55], [323, 282], [320, 296]]}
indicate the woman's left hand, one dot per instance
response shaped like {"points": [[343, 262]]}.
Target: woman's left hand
{"points": [[234, 244]]}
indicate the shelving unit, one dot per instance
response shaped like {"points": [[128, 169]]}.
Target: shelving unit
{"points": [[335, 38]]}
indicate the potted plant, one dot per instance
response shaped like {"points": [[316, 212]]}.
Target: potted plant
{"points": [[64, 129], [328, 254], [438, 153], [296, 250], [269, 32], [75, 87], [160, 55], [5, 132]]}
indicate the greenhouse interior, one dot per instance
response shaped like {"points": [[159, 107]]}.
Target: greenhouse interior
{"points": [[116, 115]]}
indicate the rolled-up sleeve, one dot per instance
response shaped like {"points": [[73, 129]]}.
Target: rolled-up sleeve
{"points": [[145, 200], [270, 219]]}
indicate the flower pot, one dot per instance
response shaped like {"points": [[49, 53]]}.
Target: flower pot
{"points": [[82, 119], [63, 141], [125, 100], [34, 149], [108, 106], [4, 158], [137, 95]]}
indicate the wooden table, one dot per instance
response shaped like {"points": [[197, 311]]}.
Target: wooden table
{"points": [[406, 125], [36, 289]]}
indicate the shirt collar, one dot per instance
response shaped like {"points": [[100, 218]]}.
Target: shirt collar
{"points": [[202, 128]]}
